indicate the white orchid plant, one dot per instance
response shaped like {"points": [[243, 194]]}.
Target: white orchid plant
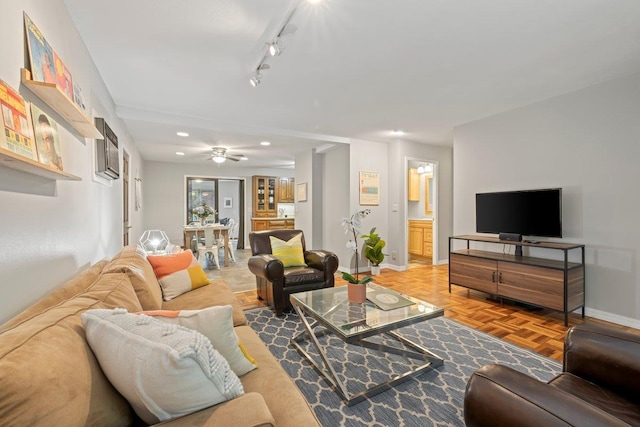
{"points": [[352, 226]]}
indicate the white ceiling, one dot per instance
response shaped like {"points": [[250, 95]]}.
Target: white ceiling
{"points": [[354, 69]]}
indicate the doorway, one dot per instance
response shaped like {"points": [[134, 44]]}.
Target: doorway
{"points": [[421, 212], [224, 195]]}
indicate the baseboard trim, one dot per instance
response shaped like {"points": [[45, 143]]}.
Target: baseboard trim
{"points": [[613, 318]]}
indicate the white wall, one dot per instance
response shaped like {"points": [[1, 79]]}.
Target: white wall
{"points": [[442, 157], [164, 188], [304, 211], [588, 143], [336, 196], [229, 189], [50, 230]]}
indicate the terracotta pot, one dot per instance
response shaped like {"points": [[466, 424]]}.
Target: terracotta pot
{"points": [[356, 292]]}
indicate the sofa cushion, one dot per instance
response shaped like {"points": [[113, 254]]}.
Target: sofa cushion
{"points": [[215, 323], [71, 288], [48, 374], [133, 261], [178, 273], [217, 293], [289, 252], [164, 370], [287, 405]]}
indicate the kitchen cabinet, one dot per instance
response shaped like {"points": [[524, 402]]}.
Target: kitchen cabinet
{"points": [[264, 196], [421, 238], [273, 224], [413, 192], [286, 190]]}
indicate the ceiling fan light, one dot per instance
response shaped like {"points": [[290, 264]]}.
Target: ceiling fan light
{"points": [[218, 159]]}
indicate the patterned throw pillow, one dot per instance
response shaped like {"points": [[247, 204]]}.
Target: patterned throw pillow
{"points": [[178, 273], [164, 371], [215, 323], [289, 252]]}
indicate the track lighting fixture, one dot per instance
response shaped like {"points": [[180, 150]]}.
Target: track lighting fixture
{"points": [[275, 47]]}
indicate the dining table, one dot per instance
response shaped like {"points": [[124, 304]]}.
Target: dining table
{"points": [[191, 231]]}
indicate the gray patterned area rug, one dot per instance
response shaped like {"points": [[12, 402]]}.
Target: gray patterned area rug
{"points": [[434, 398]]}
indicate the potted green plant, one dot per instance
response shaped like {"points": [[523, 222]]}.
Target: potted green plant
{"points": [[373, 246]]}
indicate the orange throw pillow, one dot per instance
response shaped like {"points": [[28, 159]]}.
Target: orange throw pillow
{"points": [[178, 273]]}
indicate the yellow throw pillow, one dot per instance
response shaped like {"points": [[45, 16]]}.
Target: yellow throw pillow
{"points": [[290, 252]]}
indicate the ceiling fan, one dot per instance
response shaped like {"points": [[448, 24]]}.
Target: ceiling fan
{"points": [[219, 155]]}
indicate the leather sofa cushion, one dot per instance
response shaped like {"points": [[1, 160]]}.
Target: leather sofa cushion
{"points": [[302, 275], [62, 383], [133, 261], [599, 397], [217, 293]]}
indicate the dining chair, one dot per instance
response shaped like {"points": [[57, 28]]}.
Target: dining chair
{"points": [[233, 230], [210, 246]]}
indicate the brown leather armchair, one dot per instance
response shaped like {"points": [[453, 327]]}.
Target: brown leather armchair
{"points": [[599, 386], [274, 282]]}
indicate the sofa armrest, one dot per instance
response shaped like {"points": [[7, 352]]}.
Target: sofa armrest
{"points": [[604, 356], [499, 396], [266, 266], [322, 260], [248, 410]]}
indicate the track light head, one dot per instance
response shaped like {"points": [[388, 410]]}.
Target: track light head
{"points": [[275, 49], [254, 80]]}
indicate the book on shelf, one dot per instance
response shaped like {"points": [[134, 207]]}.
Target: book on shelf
{"points": [[16, 133], [45, 131], [63, 76], [41, 58]]}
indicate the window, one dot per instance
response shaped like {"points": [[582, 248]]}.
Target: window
{"points": [[199, 191]]}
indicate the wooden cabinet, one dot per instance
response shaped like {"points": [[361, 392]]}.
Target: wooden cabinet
{"points": [[286, 190], [550, 283], [413, 191], [273, 224], [421, 238], [264, 196]]}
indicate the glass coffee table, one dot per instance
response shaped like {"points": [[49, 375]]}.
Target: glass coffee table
{"points": [[353, 323]]}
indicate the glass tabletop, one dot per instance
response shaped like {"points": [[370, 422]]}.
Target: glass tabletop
{"points": [[331, 308]]}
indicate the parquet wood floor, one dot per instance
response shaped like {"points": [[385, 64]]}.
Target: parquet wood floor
{"points": [[540, 330]]}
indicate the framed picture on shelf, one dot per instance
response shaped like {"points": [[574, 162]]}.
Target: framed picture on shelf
{"points": [[45, 131], [301, 192]]}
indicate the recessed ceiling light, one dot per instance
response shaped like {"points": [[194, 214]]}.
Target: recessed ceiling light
{"points": [[179, 153], [265, 143], [182, 134], [398, 132], [244, 158], [315, 1]]}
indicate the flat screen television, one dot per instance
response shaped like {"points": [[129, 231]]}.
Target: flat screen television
{"points": [[527, 213]]}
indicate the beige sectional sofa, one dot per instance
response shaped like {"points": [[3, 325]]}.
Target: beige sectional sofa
{"points": [[50, 377]]}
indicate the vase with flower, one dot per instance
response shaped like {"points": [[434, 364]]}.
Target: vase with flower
{"points": [[203, 212], [357, 289]]}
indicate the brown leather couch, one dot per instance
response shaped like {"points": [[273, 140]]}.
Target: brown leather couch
{"points": [[274, 282], [599, 386]]}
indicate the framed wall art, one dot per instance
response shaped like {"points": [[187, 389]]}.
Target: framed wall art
{"points": [[301, 192], [369, 188]]}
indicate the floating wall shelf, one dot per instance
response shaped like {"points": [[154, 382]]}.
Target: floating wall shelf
{"points": [[55, 98], [15, 161]]}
